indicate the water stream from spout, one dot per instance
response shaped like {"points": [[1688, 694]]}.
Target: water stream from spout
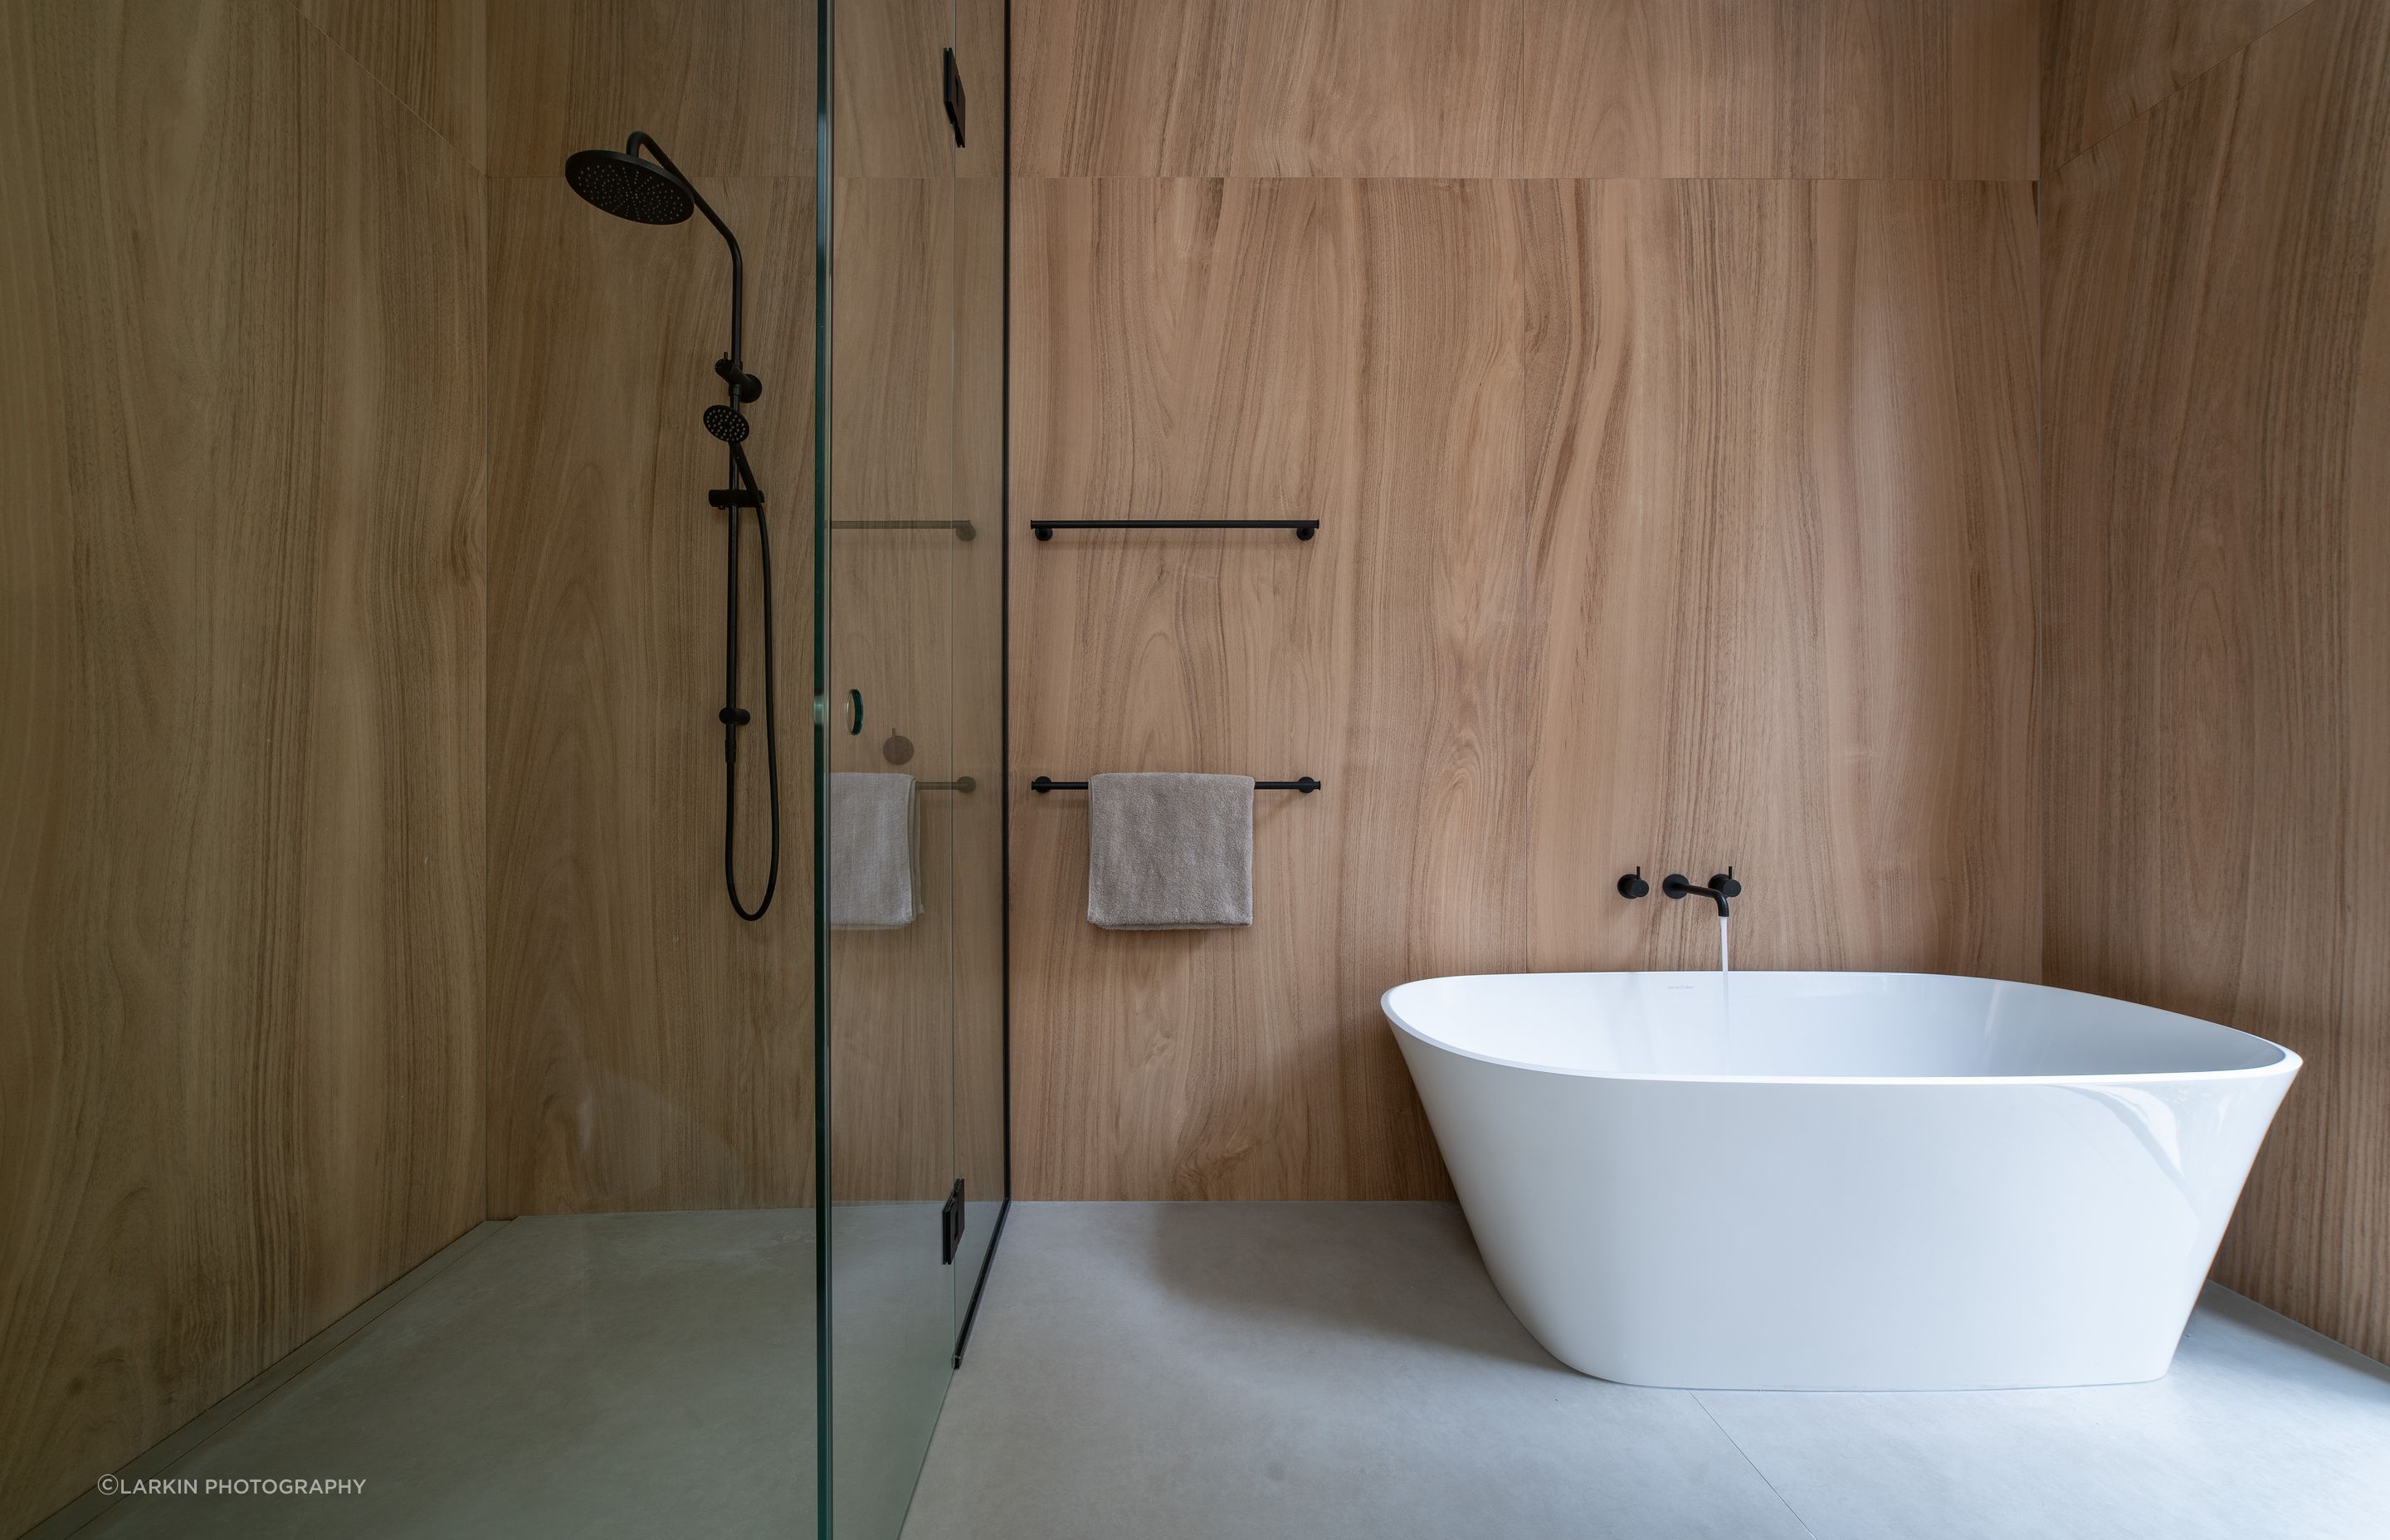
{"points": [[1726, 958]]}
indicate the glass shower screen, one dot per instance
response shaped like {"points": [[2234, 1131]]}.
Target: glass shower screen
{"points": [[911, 798]]}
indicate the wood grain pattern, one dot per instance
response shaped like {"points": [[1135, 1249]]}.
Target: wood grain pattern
{"points": [[240, 802], [1145, 89], [1379, 88], [432, 54], [1783, 448], [1613, 88], [1663, 521], [892, 637], [648, 1048], [1205, 365], [2218, 310], [1282, 88], [2105, 62], [1809, 88], [2358, 1301], [980, 38], [725, 85], [890, 119]]}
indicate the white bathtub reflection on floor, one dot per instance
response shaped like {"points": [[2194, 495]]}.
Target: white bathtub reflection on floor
{"points": [[1838, 1181]]}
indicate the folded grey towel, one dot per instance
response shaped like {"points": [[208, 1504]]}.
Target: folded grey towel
{"points": [[1169, 851], [874, 865]]}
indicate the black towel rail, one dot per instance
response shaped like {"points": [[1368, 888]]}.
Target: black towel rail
{"points": [[1307, 786], [1304, 528]]}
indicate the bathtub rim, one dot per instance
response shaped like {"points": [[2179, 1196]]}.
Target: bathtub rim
{"points": [[2286, 1066]]}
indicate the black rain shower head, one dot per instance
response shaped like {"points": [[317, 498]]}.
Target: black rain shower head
{"points": [[726, 423], [630, 186], [649, 189]]}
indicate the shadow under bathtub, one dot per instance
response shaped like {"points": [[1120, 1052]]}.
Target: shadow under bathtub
{"points": [[1400, 1270]]}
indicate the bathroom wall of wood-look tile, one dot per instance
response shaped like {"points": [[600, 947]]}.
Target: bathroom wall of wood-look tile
{"points": [[648, 1049], [1677, 508], [431, 55], [2216, 598], [241, 914], [727, 86], [2105, 62], [1497, 88]]}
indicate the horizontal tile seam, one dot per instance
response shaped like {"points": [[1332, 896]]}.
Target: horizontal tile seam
{"points": [[805, 177], [1019, 177]]}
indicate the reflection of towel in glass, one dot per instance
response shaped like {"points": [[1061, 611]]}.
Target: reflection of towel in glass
{"points": [[1170, 852], [874, 861]]}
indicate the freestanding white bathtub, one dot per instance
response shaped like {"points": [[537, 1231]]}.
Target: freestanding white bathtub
{"points": [[1838, 1181]]}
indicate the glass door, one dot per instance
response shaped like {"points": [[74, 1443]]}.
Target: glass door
{"points": [[977, 568], [894, 786]]}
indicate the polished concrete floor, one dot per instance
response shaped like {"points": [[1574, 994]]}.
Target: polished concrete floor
{"points": [[634, 1376], [1173, 1371], [1327, 1370], [610, 1375]]}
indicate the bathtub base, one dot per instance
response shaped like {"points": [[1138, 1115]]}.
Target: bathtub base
{"points": [[1698, 1371], [1765, 1238]]}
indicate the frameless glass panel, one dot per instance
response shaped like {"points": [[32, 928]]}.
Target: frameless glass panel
{"points": [[892, 759], [977, 575]]}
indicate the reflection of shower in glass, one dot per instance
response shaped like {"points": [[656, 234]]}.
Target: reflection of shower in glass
{"points": [[628, 186]]}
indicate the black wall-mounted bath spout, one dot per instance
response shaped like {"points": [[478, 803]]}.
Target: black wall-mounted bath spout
{"points": [[1721, 887]]}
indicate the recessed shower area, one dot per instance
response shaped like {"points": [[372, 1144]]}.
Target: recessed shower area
{"points": [[504, 1011]]}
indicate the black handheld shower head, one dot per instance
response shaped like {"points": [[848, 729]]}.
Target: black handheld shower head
{"points": [[726, 423], [630, 186]]}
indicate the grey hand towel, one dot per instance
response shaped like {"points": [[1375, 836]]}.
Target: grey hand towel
{"points": [[874, 868], [1169, 851]]}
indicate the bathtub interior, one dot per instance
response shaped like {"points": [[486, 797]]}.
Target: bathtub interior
{"points": [[1814, 1026]]}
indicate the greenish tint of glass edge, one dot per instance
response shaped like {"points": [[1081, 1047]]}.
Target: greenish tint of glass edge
{"points": [[823, 201]]}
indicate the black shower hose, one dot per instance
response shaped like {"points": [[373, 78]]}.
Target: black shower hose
{"points": [[733, 718]]}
